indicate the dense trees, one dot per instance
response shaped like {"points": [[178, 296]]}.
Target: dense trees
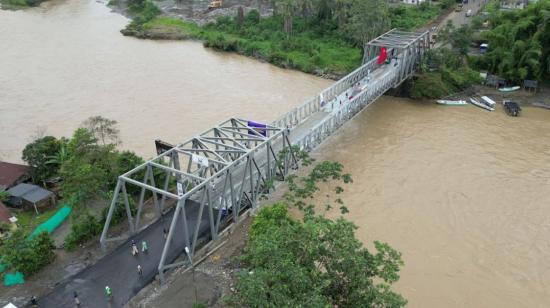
{"points": [[38, 155], [519, 43], [313, 261], [315, 36]]}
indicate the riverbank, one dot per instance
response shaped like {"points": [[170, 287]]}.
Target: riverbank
{"points": [[18, 4], [311, 44]]}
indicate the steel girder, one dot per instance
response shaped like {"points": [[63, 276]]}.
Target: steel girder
{"points": [[215, 176]]}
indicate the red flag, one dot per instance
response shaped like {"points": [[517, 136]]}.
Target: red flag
{"points": [[382, 56]]}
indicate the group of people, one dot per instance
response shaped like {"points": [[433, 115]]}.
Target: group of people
{"points": [[135, 252]]}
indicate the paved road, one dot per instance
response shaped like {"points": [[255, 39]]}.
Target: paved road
{"points": [[459, 18], [118, 269]]}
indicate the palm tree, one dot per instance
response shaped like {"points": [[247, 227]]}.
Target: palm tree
{"points": [[59, 158]]}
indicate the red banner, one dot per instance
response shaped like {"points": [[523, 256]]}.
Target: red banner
{"points": [[382, 56]]}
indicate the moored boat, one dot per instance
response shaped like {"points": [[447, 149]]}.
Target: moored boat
{"points": [[451, 102], [487, 101], [480, 105], [509, 89], [511, 108]]}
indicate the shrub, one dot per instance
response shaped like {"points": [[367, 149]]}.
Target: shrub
{"points": [[25, 255], [84, 227], [253, 17]]}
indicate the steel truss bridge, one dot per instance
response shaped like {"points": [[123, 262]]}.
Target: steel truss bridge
{"points": [[221, 172], [214, 178]]}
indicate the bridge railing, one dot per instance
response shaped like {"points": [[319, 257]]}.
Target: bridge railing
{"points": [[299, 114], [336, 119]]}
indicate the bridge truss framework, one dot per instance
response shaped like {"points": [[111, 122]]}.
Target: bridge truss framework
{"points": [[227, 167], [223, 170]]}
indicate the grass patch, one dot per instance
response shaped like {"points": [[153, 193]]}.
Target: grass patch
{"points": [[409, 17], [29, 220]]}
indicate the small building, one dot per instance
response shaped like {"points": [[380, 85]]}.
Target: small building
{"points": [[12, 174], [513, 4], [27, 195]]}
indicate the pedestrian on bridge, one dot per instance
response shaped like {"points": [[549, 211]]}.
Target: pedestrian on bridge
{"points": [[144, 247], [76, 300], [135, 250], [108, 293], [34, 301], [140, 270]]}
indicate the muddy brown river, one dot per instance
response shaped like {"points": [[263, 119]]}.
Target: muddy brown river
{"points": [[66, 61], [464, 194]]}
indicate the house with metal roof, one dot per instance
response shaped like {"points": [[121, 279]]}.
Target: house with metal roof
{"points": [[26, 195], [12, 174]]}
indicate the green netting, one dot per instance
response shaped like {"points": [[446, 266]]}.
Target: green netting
{"points": [[55, 221], [11, 279]]}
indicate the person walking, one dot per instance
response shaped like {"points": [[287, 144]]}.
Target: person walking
{"points": [[76, 300], [135, 250], [140, 271], [108, 293], [144, 247], [34, 301], [165, 233]]}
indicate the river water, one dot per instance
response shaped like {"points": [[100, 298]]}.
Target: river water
{"points": [[66, 61], [464, 194]]}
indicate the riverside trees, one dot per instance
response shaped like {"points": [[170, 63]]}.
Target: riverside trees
{"points": [[314, 261], [315, 36], [519, 43]]}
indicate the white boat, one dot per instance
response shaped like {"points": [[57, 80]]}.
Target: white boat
{"points": [[480, 105], [509, 89], [451, 103], [487, 101]]}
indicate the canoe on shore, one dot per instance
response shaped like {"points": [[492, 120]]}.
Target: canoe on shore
{"points": [[451, 103], [509, 89], [480, 105]]}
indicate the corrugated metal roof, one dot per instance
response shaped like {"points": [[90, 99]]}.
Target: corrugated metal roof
{"points": [[30, 193], [10, 173]]}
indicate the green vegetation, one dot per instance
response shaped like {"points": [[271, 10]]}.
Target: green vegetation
{"points": [[37, 155], [313, 261], [88, 162], [519, 43], [21, 3], [83, 229], [321, 37], [27, 256], [86, 226], [411, 17], [89, 165], [28, 220], [446, 71]]}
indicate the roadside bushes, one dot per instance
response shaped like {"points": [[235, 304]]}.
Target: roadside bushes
{"points": [[26, 255], [83, 229], [444, 72], [86, 226]]}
